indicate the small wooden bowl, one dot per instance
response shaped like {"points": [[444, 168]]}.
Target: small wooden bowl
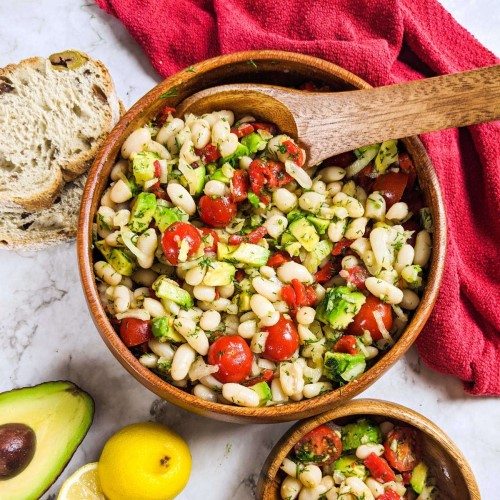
{"points": [[447, 465], [280, 68]]}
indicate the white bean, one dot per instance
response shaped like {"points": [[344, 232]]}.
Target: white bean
{"points": [[121, 218], [285, 200], [349, 261], [361, 196], [311, 201], [305, 315], [375, 206], [397, 212], [333, 188], [210, 320], [359, 488], [423, 247], [185, 326], [316, 388], [319, 187], [261, 306], [247, 329], [226, 291], [351, 204], [277, 391], [107, 273], [226, 114], [380, 243], [120, 192], [310, 476], [315, 493], [147, 243], [170, 129], [410, 300], [187, 152], [291, 378], [371, 352], [163, 153], [220, 131], [183, 359], [375, 487], [195, 275], [214, 188], [349, 188], [200, 133], [105, 224], [356, 228], [276, 225], [364, 450], [258, 343], [404, 258], [121, 298], [205, 393], [211, 382], [290, 468], [336, 230], [154, 307], [144, 277], [267, 272], [290, 488], [161, 349], [135, 142], [384, 291], [229, 145], [240, 395], [267, 288], [106, 199], [149, 360], [198, 340], [332, 174], [120, 168], [181, 198], [292, 270]]}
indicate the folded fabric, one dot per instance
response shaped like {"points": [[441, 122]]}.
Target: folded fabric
{"points": [[384, 42]]}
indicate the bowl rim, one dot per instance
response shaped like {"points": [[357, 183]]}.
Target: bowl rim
{"points": [[360, 407], [175, 395]]}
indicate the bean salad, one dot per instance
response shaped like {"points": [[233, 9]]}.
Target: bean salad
{"points": [[236, 272]]}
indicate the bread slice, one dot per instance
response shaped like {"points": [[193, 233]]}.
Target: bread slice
{"points": [[36, 230], [54, 116]]}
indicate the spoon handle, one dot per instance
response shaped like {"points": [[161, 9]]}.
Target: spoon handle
{"points": [[361, 117]]}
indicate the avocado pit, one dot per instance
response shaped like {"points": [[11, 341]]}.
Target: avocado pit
{"points": [[17, 448]]}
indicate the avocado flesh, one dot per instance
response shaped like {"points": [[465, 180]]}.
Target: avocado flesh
{"points": [[60, 414]]}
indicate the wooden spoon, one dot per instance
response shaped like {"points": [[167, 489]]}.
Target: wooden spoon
{"points": [[329, 123]]}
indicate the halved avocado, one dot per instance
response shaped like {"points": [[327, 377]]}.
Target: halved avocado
{"points": [[60, 414]]}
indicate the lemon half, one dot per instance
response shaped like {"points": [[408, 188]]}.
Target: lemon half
{"points": [[82, 485]]}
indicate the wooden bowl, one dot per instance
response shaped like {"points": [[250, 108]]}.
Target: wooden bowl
{"points": [[447, 465], [280, 68]]}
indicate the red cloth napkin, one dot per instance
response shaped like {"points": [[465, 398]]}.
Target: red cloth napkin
{"points": [[384, 42]]}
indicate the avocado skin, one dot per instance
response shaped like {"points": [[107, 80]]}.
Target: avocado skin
{"points": [[48, 459]]}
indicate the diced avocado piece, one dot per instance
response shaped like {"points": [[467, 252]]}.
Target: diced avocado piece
{"points": [[313, 259], [58, 414], [224, 251], [339, 307], [387, 155], [240, 151], [293, 248], [263, 391], [305, 233], [253, 199], [286, 237], [253, 255], [142, 212], [419, 477], [321, 225], [244, 302], [350, 466], [143, 166], [166, 288], [163, 330], [341, 367], [219, 176], [219, 274], [195, 177], [104, 248], [254, 142], [165, 216], [295, 214], [363, 431], [121, 262]]}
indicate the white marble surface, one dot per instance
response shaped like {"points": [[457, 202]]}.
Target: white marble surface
{"points": [[46, 332]]}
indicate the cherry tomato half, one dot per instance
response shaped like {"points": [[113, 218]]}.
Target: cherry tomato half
{"points": [[346, 344], [135, 331], [320, 446], [379, 468], [282, 341], [233, 357], [174, 235], [217, 211], [402, 448], [389, 495], [391, 186], [210, 239], [365, 320]]}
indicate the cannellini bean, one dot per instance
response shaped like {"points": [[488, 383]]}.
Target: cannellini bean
{"points": [[371, 352], [349, 261], [397, 212], [290, 488], [154, 307], [216, 305], [181, 198], [247, 329], [121, 298], [274, 145], [276, 225], [291, 378], [144, 277], [356, 228], [120, 192], [195, 275], [364, 450], [214, 188], [277, 392], [212, 383], [360, 246], [336, 230], [315, 493], [106, 199], [135, 313], [225, 114], [170, 129], [306, 315], [423, 247], [384, 291], [267, 272], [229, 145], [351, 204], [389, 275], [121, 218], [135, 142], [267, 288], [290, 468], [359, 488], [349, 188], [361, 195], [200, 133], [371, 263], [258, 343], [316, 388], [120, 168], [106, 272], [398, 488], [292, 270], [404, 257], [311, 201], [285, 200], [333, 188], [161, 151], [161, 349], [105, 221], [205, 393], [380, 243], [332, 174], [261, 306], [185, 326], [220, 131], [310, 476], [375, 487], [187, 152], [240, 395], [149, 360], [198, 340], [210, 320], [319, 187], [147, 243], [226, 291], [181, 363], [375, 206], [410, 300]]}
